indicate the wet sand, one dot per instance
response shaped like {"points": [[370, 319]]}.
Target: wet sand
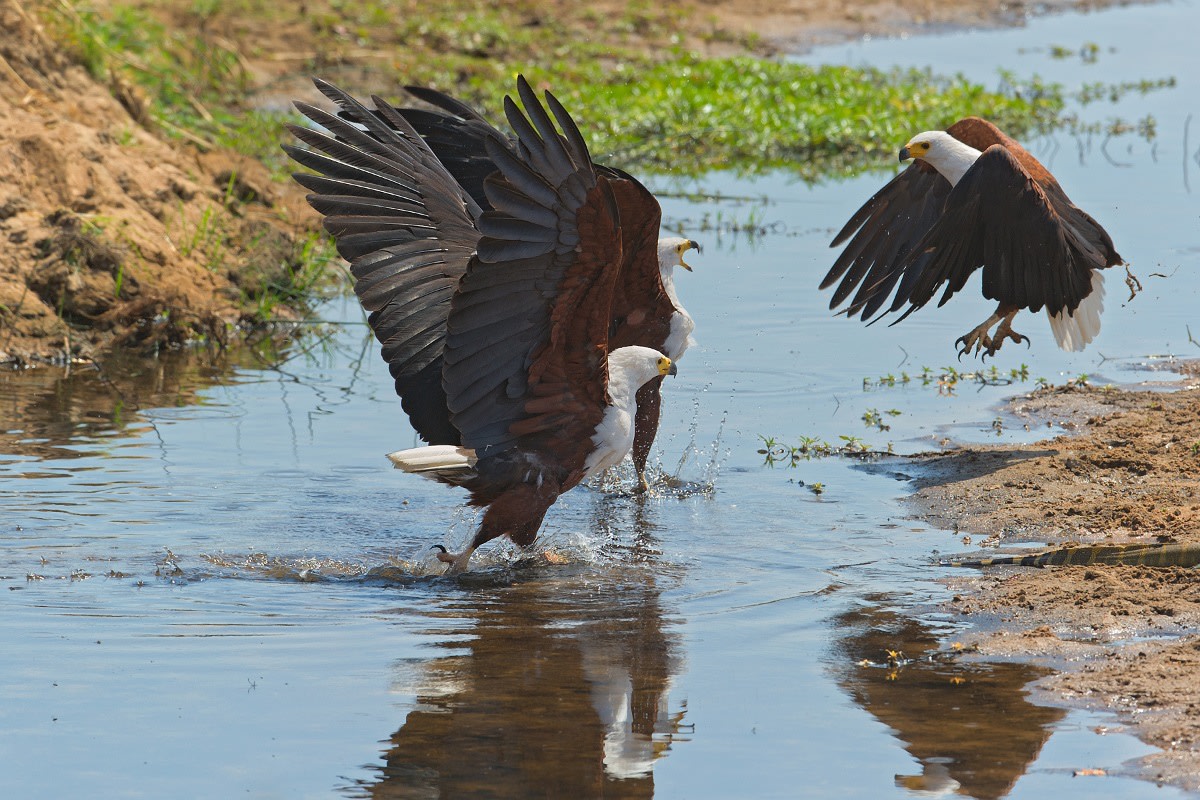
{"points": [[1119, 637]]}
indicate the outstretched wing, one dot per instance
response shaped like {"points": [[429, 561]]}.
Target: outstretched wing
{"points": [[457, 134], [889, 225], [1080, 225], [407, 229], [526, 349], [999, 218], [881, 235]]}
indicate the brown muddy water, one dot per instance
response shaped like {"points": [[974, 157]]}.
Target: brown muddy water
{"points": [[212, 584]]}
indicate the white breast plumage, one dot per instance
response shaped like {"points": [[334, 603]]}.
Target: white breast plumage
{"points": [[612, 440]]}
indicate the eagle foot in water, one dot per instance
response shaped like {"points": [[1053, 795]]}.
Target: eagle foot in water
{"points": [[978, 338], [457, 561]]}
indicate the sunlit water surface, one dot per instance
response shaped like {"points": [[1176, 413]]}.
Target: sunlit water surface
{"points": [[214, 586]]}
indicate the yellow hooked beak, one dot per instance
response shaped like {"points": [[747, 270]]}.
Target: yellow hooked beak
{"points": [[914, 150], [683, 248]]}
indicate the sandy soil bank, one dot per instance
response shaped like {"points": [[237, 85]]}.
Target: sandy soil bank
{"points": [[1125, 635]]}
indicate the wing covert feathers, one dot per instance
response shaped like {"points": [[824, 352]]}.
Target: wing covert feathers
{"points": [[533, 371]]}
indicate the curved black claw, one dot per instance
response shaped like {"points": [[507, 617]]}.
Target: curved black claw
{"points": [[966, 348], [1005, 332], [972, 340], [439, 547]]}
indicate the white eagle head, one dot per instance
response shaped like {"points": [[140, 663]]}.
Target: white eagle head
{"points": [[670, 253], [944, 153]]}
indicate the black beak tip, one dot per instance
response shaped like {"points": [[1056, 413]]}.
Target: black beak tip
{"points": [[673, 370], [904, 156], [695, 245]]}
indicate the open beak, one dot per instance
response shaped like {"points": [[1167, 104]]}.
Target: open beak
{"points": [[691, 245], [904, 155]]}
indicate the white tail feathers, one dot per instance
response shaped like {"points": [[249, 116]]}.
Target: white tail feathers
{"points": [[435, 458], [1073, 331]]}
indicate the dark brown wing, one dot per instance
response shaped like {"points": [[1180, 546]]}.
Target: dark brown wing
{"points": [[981, 134], [528, 328], [881, 235], [890, 224], [408, 231], [642, 311], [456, 133], [1000, 218]]}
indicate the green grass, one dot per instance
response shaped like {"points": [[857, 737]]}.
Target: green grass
{"points": [[693, 115], [656, 109], [643, 101]]}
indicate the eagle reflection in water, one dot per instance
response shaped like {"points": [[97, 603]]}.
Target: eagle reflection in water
{"points": [[969, 725], [561, 690]]}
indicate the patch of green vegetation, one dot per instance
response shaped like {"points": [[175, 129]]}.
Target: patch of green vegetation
{"points": [[1088, 52], [641, 100], [190, 84], [872, 418], [946, 379], [1113, 92], [777, 454], [690, 115]]}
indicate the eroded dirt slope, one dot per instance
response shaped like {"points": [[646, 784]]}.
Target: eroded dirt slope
{"points": [[110, 233]]}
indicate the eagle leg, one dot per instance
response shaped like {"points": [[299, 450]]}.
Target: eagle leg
{"points": [[1004, 331], [457, 561], [645, 426], [977, 338]]}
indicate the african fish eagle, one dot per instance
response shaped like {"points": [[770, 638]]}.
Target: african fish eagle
{"points": [[646, 307], [974, 198], [494, 323]]}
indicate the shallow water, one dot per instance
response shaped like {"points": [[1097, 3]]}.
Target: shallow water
{"points": [[215, 586]]}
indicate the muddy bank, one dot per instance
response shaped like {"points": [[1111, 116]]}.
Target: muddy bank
{"points": [[114, 236], [1124, 636]]}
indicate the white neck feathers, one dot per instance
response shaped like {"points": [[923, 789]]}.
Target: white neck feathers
{"points": [[949, 156]]}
